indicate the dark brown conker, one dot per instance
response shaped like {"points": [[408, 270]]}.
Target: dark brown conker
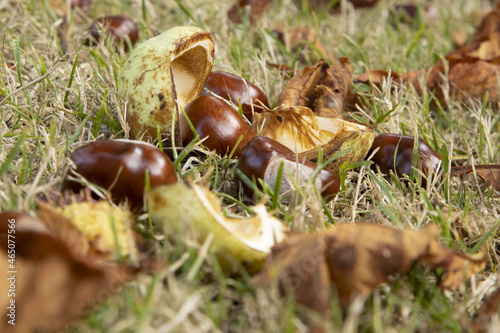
{"points": [[396, 153], [261, 159], [120, 166], [119, 27], [216, 122], [237, 90]]}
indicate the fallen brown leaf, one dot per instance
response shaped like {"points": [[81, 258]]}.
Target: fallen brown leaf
{"points": [[485, 42], [459, 38], [53, 284], [354, 259], [300, 88], [321, 87], [490, 173], [466, 73], [468, 77]]}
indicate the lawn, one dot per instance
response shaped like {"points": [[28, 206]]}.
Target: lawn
{"points": [[52, 102]]}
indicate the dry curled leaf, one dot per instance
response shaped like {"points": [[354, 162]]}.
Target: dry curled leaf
{"points": [[257, 8], [331, 91], [467, 73], [54, 284], [321, 88], [468, 77], [490, 173], [485, 43], [354, 259], [459, 38]]}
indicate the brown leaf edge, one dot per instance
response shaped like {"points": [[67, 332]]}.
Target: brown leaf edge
{"points": [[54, 284], [490, 173], [355, 258]]}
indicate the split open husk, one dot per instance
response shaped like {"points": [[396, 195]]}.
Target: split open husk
{"points": [[161, 76], [189, 209], [300, 130]]}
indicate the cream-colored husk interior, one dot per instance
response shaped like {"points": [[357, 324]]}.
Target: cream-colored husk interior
{"points": [[186, 68], [260, 232]]}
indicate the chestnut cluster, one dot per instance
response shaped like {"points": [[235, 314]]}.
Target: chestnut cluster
{"points": [[226, 132], [214, 118], [121, 166]]}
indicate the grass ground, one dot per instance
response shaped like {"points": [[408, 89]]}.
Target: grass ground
{"points": [[56, 103]]}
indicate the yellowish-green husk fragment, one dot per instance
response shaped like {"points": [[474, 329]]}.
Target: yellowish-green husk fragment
{"points": [[188, 209]]}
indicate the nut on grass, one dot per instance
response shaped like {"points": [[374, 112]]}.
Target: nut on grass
{"points": [[237, 90], [395, 153], [215, 121], [121, 166], [297, 128], [161, 76], [117, 27], [237, 243], [262, 159]]}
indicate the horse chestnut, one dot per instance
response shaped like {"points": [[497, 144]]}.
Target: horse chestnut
{"points": [[396, 152], [237, 90], [120, 27], [261, 159], [217, 123], [120, 166]]}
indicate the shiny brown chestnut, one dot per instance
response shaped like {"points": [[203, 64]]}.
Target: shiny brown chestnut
{"points": [[120, 166], [261, 159], [120, 27], [237, 90], [216, 122], [396, 153]]}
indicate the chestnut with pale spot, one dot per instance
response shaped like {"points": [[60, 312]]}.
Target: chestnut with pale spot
{"points": [[262, 157], [120, 166]]}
